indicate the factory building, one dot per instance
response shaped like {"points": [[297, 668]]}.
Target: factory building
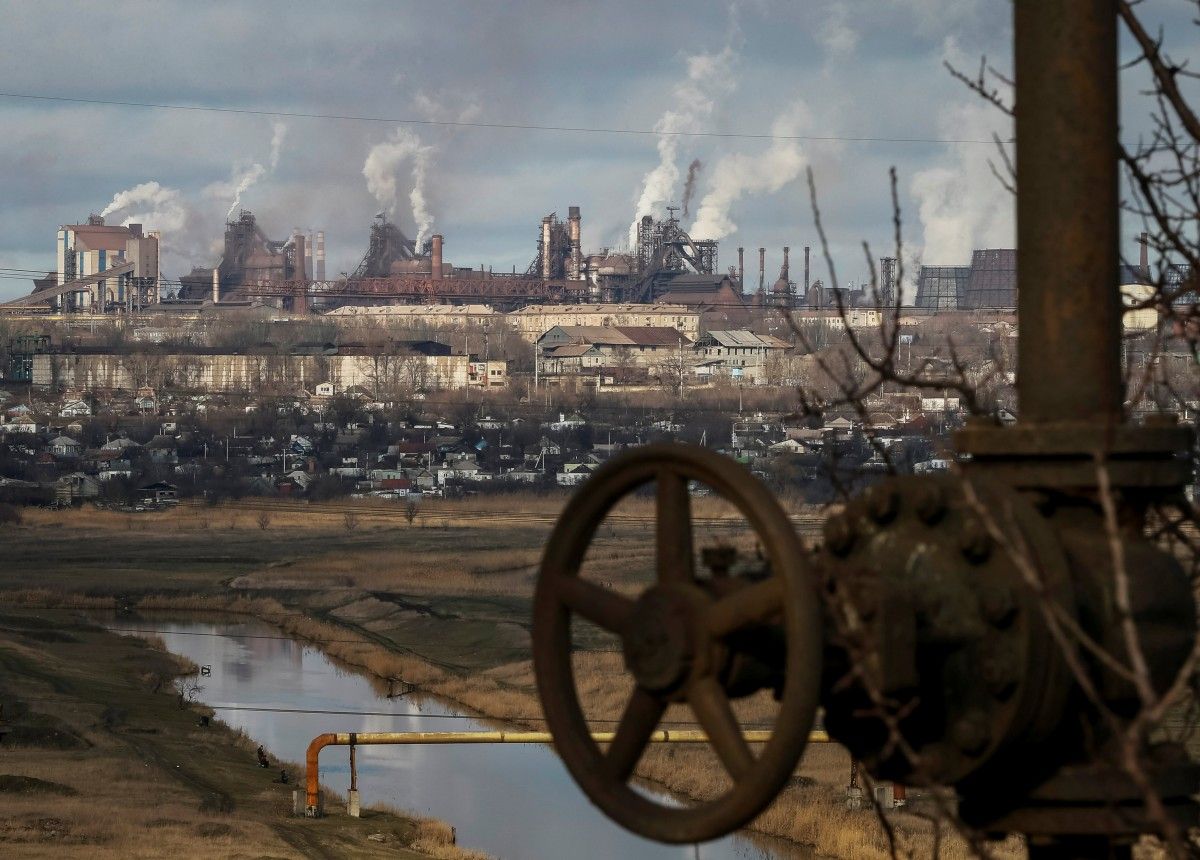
{"points": [[103, 266], [253, 265]]}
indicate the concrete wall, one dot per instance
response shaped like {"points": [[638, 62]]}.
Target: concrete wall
{"points": [[252, 373]]}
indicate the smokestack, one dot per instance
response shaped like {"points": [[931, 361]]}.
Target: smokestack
{"points": [[319, 257], [574, 221], [546, 267], [806, 270], [1145, 256], [216, 285], [435, 257], [308, 253], [301, 271], [762, 269], [742, 269], [157, 237], [786, 272]]}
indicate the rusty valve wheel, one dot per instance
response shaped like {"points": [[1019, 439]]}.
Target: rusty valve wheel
{"points": [[681, 644]]}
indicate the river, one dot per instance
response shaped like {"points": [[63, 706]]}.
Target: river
{"points": [[515, 802]]}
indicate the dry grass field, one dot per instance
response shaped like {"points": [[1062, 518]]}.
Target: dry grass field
{"points": [[442, 603]]}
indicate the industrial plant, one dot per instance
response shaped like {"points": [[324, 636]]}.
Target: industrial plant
{"points": [[102, 268]]}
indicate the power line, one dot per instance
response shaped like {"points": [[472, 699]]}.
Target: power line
{"points": [[491, 125]]}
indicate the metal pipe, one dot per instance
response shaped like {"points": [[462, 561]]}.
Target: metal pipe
{"points": [[547, 262], [312, 777], [575, 223], [1068, 303]]}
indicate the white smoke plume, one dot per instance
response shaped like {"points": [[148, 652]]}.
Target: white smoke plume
{"points": [[960, 203], [740, 174], [709, 79], [381, 166], [152, 204], [241, 183], [278, 133], [186, 229], [244, 178]]}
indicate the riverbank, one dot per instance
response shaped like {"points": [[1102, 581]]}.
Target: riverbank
{"points": [[102, 759], [443, 606]]}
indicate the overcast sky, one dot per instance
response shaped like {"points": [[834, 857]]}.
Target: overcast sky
{"points": [[821, 69]]}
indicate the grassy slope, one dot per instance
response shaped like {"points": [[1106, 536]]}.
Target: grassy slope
{"points": [[99, 764]]}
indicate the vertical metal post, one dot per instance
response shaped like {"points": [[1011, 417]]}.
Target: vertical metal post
{"points": [[1067, 218], [353, 770]]}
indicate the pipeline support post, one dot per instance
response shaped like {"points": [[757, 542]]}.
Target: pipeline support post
{"points": [[1067, 216], [1069, 385], [352, 807]]}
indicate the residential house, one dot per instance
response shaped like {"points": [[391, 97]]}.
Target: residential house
{"points": [[487, 373], [65, 447], [21, 424], [574, 474], [76, 486], [75, 409], [159, 493]]}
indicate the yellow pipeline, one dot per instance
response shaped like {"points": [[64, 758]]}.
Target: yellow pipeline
{"points": [[662, 736]]}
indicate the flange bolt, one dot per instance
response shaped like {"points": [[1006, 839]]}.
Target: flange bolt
{"points": [[971, 734], [839, 534], [882, 503], [975, 542], [930, 503]]}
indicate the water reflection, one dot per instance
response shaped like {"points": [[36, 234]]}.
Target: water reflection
{"points": [[507, 800]]}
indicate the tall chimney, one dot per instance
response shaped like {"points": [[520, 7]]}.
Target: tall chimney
{"points": [[574, 221], [1145, 255], [301, 270], [742, 269], [319, 257], [308, 253], [547, 269], [435, 257], [806, 270], [762, 269], [216, 285]]}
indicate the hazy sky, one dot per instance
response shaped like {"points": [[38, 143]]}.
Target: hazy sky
{"points": [[822, 69]]}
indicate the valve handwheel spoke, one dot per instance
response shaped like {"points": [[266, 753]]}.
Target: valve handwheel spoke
{"points": [[638, 722], [673, 529], [678, 638], [713, 711], [597, 604], [752, 604]]}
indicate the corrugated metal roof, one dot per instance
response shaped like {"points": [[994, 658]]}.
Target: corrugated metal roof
{"points": [[741, 338]]}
